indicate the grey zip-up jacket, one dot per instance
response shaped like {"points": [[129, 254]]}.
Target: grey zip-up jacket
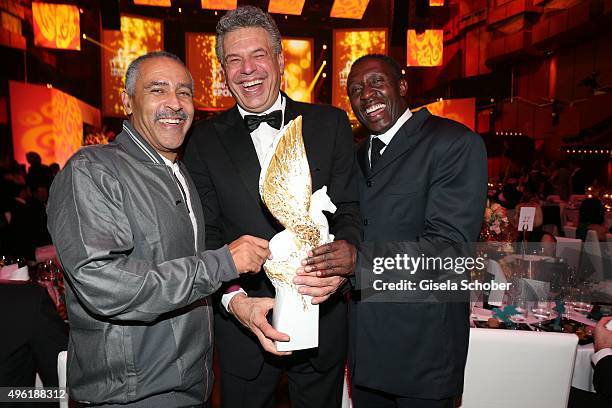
{"points": [[136, 288]]}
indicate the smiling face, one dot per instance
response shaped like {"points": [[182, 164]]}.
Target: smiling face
{"points": [[376, 94], [252, 70], [161, 108]]}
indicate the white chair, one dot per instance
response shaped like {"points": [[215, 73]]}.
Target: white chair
{"points": [[593, 253], [61, 375], [569, 249], [510, 369], [570, 231]]}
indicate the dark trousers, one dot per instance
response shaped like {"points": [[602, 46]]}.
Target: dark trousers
{"points": [[583, 399], [308, 387], [368, 398]]}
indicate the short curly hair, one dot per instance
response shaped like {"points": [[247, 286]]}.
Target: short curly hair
{"points": [[247, 17], [131, 75]]}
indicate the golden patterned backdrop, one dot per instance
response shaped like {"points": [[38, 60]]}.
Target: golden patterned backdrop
{"points": [[44, 120], [293, 7], [137, 37], [210, 89], [56, 26], [219, 4], [460, 110], [298, 68], [425, 49], [349, 8], [157, 3], [211, 92], [348, 46]]}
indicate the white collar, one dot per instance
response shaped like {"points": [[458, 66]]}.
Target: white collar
{"points": [[278, 105], [388, 135], [167, 161]]}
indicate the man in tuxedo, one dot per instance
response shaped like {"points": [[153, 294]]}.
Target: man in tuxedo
{"points": [[224, 157], [422, 180], [602, 374]]}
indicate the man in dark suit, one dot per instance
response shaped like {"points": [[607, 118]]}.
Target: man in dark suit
{"points": [[33, 335], [422, 180], [602, 374], [224, 157]]}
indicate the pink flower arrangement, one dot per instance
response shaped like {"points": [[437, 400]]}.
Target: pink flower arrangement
{"points": [[495, 226]]}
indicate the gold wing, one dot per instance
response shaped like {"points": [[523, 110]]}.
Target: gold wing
{"points": [[286, 186]]}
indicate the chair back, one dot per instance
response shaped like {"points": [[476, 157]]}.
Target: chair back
{"points": [[510, 369], [569, 249], [593, 254]]}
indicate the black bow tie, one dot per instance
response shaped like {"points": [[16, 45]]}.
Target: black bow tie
{"points": [[273, 119]]}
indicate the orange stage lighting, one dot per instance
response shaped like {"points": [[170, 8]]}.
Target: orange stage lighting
{"points": [[349, 8], [10, 31], [219, 4], [298, 68], [56, 26], [46, 121], [10, 23], [436, 3], [137, 37], [348, 46], [211, 91], [425, 49], [293, 7], [156, 3], [460, 110]]}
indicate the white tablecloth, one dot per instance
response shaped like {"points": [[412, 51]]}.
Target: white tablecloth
{"points": [[583, 371]]}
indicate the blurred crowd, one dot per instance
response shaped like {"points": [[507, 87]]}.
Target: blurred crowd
{"points": [[548, 186], [23, 200]]}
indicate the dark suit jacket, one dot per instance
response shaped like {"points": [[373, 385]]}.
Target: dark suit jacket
{"points": [[602, 378], [222, 161], [32, 335], [429, 186]]}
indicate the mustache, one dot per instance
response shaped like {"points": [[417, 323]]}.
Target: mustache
{"points": [[170, 114]]}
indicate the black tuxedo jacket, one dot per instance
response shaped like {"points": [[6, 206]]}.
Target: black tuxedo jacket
{"points": [[602, 378], [32, 335], [429, 186], [222, 161]]}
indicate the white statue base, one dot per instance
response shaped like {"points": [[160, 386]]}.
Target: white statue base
{"points": [[295, 315]]}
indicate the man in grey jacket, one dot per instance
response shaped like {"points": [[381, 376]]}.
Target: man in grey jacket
{"points": [[129, 231]]}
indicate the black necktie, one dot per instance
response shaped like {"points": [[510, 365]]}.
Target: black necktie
{"points": [[377, 146], [273, 119]]}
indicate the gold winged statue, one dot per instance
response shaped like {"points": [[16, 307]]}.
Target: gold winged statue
{"points": [[285, 187]]}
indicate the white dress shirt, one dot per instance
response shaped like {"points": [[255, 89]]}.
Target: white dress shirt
{"points": [[388, 135], [263, 139], [177, 173], [263, 136], [605, 352]]}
